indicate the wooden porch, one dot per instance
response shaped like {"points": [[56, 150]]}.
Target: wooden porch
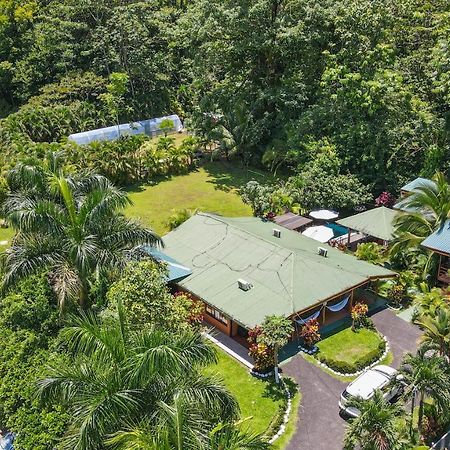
{"points": [[443, 275]]}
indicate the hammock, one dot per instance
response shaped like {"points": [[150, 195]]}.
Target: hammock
{"points": [[311, 317], [338, 306]]}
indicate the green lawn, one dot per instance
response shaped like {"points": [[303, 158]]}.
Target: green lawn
{"points": [[6, 235], [211, 188], [349, 347], [258, 399]]}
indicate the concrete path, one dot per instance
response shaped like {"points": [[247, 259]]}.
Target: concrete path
{"points": [[319, 425]]}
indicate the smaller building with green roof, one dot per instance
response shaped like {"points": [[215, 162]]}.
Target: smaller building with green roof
{"points": [[377, 222]]}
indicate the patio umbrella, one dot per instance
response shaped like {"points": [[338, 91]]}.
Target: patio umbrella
{"points": [[324, 214], [320, 233]]}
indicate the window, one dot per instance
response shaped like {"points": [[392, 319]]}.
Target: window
{"points": [[216, 314]]}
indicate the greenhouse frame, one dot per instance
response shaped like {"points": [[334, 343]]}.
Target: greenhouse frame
{"points": [[149, 127]]}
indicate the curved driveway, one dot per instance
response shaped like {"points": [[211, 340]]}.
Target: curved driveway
{"points": [[319, 426]]}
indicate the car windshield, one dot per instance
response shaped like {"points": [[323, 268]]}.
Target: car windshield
{"points": [[345, 394]]}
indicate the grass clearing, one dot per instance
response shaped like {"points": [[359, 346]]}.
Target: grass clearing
{"points": [[211, 188], [258, 399]]}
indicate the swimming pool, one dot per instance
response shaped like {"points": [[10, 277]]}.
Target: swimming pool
{"points": [[338, 230]]}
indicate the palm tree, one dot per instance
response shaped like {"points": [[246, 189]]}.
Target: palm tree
{"points": [[229, 436], [376, 427], [140, 388], [432, 203], [427, 376], [437, 331], [70, 225]]}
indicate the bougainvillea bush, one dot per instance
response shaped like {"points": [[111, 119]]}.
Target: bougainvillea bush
{"points": [[385, 199], [310, 332]]}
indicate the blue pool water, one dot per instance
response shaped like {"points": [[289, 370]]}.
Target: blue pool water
{"points": [[338, 230]]}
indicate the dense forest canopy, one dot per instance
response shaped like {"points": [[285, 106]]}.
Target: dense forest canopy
{"points": [[277, 82]]}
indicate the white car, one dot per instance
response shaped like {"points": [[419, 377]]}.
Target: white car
{"points": [[378, 377]]}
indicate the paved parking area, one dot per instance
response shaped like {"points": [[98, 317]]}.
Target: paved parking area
{"points": [[319, 425]]}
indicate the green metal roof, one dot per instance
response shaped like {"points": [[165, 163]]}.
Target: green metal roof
{"points": [[175, 271], [377, 222], [287, 274], [439, 241], [417, 183]]}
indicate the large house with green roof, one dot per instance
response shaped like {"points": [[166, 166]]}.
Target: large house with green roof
{"points": [[245, 269]]}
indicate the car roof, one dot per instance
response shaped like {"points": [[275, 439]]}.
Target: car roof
{"points": [[368, 382]]}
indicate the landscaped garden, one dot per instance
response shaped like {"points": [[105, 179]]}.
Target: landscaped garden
{"points": [[259, 400], [262, 402], [349, 351]]}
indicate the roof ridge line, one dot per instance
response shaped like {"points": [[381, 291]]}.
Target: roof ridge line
{"points": [[306, 253], [248, 232]]}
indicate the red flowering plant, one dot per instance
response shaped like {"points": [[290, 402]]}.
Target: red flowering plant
{"points": [[262, 354], [189, 308], [310, 333], [359, 315], [385, 199]]}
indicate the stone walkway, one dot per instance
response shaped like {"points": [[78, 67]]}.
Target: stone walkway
{"points": [[319, 425]]}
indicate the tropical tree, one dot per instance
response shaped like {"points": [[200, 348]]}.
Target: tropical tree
{"points": [[120, 378], [227, 436], [436, 331], [166, 125], [276, 331], [114, 98], [376, 426], [430, 206], [430, 301], [427, 377], [70, 225]]}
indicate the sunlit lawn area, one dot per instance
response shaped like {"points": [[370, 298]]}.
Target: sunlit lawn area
{"points": [[259, 400], [6, 235], [211, 188], [350, 347]]}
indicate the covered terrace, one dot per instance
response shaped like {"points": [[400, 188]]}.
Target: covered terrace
{"points": [[375, 224]]}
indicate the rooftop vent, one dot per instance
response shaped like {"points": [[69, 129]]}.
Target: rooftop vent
{"points": [[277, 232], [322, 251], [244, 285]]}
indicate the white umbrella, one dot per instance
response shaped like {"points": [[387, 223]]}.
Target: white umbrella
{"points": [[324, 214], [320, 233]]}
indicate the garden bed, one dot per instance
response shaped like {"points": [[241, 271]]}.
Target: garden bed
{"points": [[349, 352]]}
